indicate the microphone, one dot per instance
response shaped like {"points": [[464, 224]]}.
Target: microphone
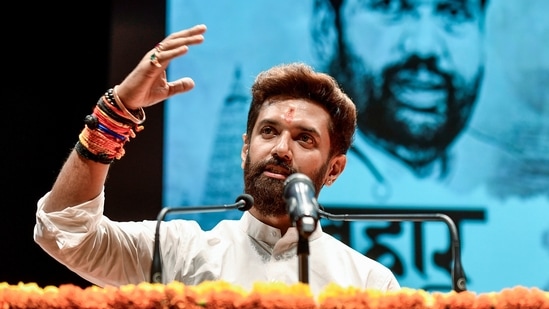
{"points": [[243, 202], [301, 203], [458, 275]]}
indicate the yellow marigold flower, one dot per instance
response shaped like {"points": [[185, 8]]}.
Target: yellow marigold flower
{"points": [[217, 294], [333, 290], [218, 286], [282, 288]]}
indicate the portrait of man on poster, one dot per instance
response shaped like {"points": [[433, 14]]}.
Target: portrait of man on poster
{"points": [[414, 69]]}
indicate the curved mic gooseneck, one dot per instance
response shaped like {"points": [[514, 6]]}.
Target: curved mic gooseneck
{"points": [[458, 275], [243, 202]]}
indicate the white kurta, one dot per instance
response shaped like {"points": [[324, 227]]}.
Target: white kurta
{"points": [[241, 252]]}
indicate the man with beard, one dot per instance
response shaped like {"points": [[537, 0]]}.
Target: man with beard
{"points": [[299, 121], [414, 69]]}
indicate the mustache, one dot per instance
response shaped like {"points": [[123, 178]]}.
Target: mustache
{"points": [[415, 63], [274, 161]]}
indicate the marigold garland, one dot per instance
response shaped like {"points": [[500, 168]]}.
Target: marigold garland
{"points": [[220, 294]]}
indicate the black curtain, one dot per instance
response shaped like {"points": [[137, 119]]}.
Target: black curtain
{"points": [[58, 60]]}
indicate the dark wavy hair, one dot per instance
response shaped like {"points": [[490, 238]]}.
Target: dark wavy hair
{"points": [[300, 81]]}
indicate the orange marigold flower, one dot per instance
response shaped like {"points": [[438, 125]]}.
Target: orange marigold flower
{"points": [[219, 294]]}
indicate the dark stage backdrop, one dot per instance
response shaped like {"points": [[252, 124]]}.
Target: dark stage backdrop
{"points": [[60, 58]]}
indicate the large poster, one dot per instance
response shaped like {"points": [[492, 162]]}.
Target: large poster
{"points": [[453, 118]]}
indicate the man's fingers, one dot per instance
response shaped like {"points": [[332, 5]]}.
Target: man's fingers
{"points": [[181, 85], [196, 30]]}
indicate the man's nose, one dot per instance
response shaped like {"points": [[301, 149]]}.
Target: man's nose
{"points": [[424, 36], [282, 147]]}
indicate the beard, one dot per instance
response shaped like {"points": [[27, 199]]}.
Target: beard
{"points": [[417, 138], [268, 193]]}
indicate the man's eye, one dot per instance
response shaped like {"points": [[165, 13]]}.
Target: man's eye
{"points": [[306, 138], [388, 6], [454, 12], [267, 131]]}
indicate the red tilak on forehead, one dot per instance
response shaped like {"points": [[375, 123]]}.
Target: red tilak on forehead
{"points": [[289, 115]]}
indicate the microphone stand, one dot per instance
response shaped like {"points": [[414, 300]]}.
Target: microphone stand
{"points": [[244, 202], [302, 206], [458, 275], [305, 227], [303, 254]]}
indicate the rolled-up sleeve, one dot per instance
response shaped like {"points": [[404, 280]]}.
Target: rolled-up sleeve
{"points": [[101, 251], [66, 229]]}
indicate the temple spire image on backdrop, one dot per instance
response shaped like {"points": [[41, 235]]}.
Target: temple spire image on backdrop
{"points": [[224, 181]]}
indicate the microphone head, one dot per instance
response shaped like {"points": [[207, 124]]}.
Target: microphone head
{"points": [[297, 177], [248, 201], [301, 203]]}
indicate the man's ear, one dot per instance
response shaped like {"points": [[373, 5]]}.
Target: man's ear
{"points": [[324, 31], [336, 167], [244, 152]]}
